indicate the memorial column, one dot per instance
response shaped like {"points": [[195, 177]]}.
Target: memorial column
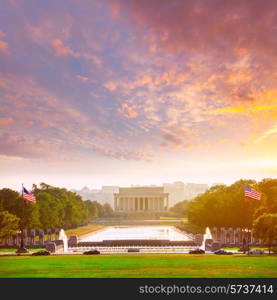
{"points": [[156, 203], [126, 204], [133, 203], [115, 207]]}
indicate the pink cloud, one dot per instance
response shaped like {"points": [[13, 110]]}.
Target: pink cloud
{"points": [[5, 121], [181, 59], [27, 147], [50, 30], [82, 78], [15, 3], [3, 85], [177, 137], [60, 48], [4, 47], [127, 111], [114, 10], [111, 86], [170, 78], [29, 124], [61, 125], [205, 26], [2, 34], [173, 138]]}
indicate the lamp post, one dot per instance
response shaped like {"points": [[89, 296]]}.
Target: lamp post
{"points": [[22, 248]]}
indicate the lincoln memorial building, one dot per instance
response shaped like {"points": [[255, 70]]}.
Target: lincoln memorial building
{"points": [[141, 199]]}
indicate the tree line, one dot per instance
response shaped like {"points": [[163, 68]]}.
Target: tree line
{"points": [[55, 208], [226, 206]]}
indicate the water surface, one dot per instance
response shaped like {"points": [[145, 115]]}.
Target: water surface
{"points": [[138, 233]]}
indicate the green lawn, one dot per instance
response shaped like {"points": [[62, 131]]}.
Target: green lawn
{"points": [[252, 248], [148, 265], [14, 249]]}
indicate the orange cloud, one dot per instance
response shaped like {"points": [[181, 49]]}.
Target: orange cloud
{"points": [[2, 34], [267, 133], [264, 102], [111, 86], [3, 85], [239, 77], [241, 51], [10, 158], [177, 137], [60, 48], [197, 26], [174, 139], [5, 121], [82, 78], [230, 110], [72, 126], [150, 80], [127, 111], [114, 10], [4, 47]]}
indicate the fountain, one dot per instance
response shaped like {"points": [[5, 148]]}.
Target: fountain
{"points": [[63, 237], [207, 236]]}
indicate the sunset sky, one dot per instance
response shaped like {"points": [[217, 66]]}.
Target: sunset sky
{"points": [[137, 92]]}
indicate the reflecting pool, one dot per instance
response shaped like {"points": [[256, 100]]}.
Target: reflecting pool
{"points": [[138, 233]]}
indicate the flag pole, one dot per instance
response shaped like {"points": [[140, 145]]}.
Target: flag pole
{"points": [[22, 248], [246, 234], [246, 246], [244, 242], [251, 193]]}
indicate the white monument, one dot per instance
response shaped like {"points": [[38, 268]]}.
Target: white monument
{"points": [[141, 199]]}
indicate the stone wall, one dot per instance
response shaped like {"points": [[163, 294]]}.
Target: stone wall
{"points": [[234, 237], [34, 238]]}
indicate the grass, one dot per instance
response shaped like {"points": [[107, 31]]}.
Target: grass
{"points": [[14, 249], [147, 266], [259, 248], [252, 248], [83, 230], [230, 248]]}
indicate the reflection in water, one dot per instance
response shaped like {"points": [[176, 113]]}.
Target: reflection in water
{"points": [[138, 233]]}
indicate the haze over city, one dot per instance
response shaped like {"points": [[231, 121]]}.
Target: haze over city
{"points": [[137, 92]]}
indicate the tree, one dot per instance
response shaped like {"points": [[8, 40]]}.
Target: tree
{"points": [[10, 201], [31, 216], [268, 187], [181, 208], [55, 207], [99, 208], [92, 209], [59, 207], [265, 228], [225, 206], [8, 224], [107, 210]]}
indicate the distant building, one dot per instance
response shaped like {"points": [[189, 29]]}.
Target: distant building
{"points": [[217, 183], [194, 189], [103, 195], [141, 199], [176, 192]]}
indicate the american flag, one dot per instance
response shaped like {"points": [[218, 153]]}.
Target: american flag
{"points": [[28, 196], [251, 193]]}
